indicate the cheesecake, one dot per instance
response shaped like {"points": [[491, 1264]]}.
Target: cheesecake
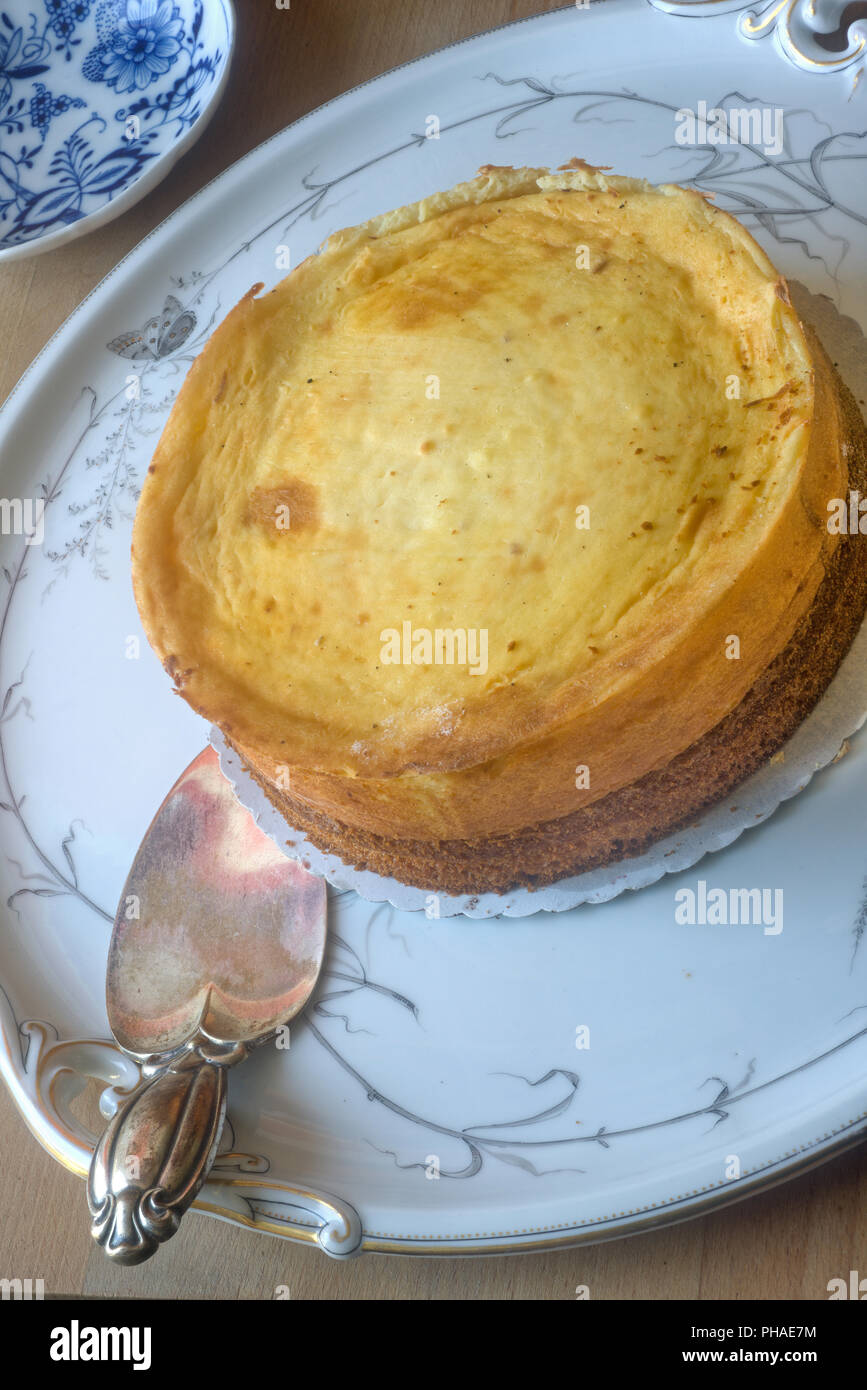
{"points": [[495, 537]]}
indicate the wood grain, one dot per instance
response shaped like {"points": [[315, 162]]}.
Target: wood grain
{"points": [[786, 1244]]}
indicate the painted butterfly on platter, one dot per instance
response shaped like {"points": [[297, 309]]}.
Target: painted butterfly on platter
{"points": [[160, 336]]}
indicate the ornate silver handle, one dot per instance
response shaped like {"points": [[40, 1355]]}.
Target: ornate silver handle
{"points": [[157, 1152]]}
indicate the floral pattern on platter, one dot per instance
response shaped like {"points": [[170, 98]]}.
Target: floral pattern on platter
{"points": [[138, 71]]}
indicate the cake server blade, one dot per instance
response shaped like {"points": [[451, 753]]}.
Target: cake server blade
{"points": [[218, 942]]}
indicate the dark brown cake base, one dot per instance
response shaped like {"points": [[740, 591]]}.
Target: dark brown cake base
{"points": [[626, 822]]}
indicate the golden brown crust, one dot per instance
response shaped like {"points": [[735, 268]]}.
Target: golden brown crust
{"points": [[257, 630], [609, 651], [653, 716], [626, 822]]}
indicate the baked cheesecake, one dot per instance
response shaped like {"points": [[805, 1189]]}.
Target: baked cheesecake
{"points": [[495, 537]]}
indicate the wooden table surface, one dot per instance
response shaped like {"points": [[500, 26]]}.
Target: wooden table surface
{"points": [[785, 1244]]}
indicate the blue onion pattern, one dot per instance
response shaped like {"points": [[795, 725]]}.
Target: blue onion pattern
{"points": [[142, 40], [89, 56]]}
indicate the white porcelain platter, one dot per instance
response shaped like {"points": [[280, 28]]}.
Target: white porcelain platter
{"points": [[720, 1058]]}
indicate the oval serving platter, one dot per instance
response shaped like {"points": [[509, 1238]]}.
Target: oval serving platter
{"points": [[458, 1086]]}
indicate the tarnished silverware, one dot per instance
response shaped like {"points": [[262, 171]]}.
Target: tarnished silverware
{"points": [[218, 942]]}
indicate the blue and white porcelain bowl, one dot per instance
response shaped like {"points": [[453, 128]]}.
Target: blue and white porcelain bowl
{"points": [[98, 99]]}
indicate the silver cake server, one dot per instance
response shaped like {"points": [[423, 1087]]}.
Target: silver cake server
{"points": [[218, 941]]}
